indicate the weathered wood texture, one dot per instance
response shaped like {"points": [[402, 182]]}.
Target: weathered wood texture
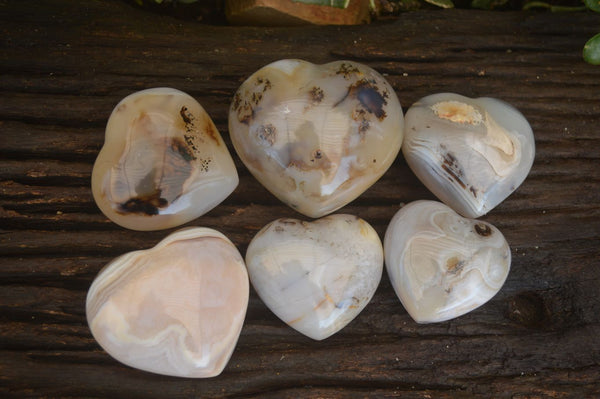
{"points": [[65, 64]]}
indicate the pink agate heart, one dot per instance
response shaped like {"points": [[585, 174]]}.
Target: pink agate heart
{"points": [[175, 309]]}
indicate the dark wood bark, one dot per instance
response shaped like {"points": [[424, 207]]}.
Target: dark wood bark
{"points": [[63, 67]]}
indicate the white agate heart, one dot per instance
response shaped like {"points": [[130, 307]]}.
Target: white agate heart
{"points": [[470, 153], [163, 162], [442, 265], [317, 276], [316, 136], [175, 309]]}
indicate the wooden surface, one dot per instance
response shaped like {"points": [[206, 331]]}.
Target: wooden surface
{"points": [[64, 65]]}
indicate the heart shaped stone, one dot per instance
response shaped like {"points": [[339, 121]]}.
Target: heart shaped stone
{"points": [[442, 265], [470, 153], [316, 136], [175, 309], [317, 276], [163, 162]]}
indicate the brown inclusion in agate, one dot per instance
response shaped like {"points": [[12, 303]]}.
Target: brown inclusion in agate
{"points": [[163, 162], [316, 136]]}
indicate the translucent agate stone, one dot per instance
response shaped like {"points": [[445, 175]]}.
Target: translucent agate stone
{"points": [[176, 309], [316, 136], [441, 264], [471, 153], [316, 276], [163, 162]]}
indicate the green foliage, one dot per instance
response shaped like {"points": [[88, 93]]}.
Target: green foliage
{"points": [[330, 3], [441, 3], [551, 7], [591, 50], [593, 5]]}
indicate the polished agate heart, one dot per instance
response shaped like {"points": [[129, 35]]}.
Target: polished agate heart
{"points": [[316, 136], [442, 265], [175, 309], [470, 153], [163, 162], [317, 276]]}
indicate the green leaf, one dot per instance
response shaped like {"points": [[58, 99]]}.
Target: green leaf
{"points": [[551, 7], [330, 3], [536, 4], [591, 50], [487, 4], [593, 5], [441, 3]]}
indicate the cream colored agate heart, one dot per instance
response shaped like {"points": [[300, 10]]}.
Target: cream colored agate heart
{"points": [[316, 136], [163, 162], [442, 265], [317, 276], [471, 153], [175, 309]]}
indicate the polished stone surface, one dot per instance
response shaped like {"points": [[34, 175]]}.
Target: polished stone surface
{"points": [[442, 265], [175, 309], [471, 153], [163, 162], [316, 276], [316, 136]]}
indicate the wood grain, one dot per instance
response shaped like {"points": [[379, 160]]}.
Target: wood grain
{"points": [[63, 67]]}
